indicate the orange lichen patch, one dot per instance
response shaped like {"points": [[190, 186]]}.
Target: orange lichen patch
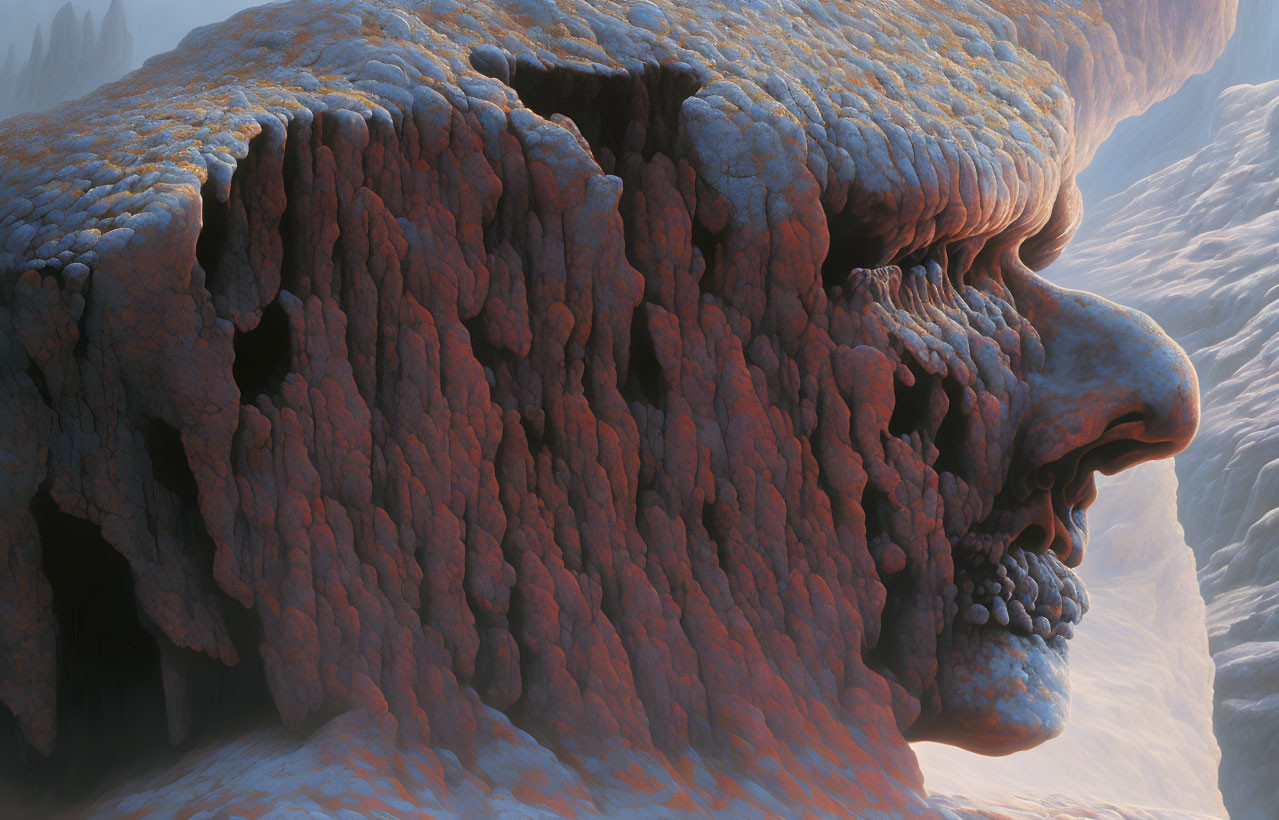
{"points": [[914, 32]]}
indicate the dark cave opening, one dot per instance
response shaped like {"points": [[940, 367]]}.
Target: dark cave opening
{"points": [[886, 655], [600, 107], [1032, 539], [890, 651], [616, 115], [490, 356], [113, 720], [626, 119], [109, 689], [715, 529], [169, 461], [849, 250], [263, 355], [874, 506]]}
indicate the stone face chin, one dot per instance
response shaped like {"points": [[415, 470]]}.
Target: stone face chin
{"points": [[1001, 693]]}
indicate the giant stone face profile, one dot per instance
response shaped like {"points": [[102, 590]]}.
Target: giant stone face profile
{"points": [[661, 377]]}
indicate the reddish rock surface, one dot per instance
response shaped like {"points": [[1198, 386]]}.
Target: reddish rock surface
{"points": [[599, 364]]}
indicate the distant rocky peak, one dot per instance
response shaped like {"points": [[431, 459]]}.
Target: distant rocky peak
{"points": [[78, 58]]}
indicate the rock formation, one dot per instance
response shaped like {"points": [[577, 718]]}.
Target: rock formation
{"points": [[78, 59], [669, 381], [1199, 257]]}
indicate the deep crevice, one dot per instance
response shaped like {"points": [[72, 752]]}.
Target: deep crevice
{"points": [[711, 247], [533, 433], [715, 529], [169, 461], [902, 589], [912, 259], [875, 507], [910, 403], [644, 381], [961, 256], [1126, 418], [517, 624], [490, 356], [81, 349], [290, 236], [214, 238], [263, 355], [42, 384], [952, 436]]}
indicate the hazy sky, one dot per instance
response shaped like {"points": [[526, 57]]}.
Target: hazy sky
{"points": [[156, 25]]}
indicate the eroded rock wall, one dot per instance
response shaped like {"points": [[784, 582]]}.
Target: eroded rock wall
{"points": [[1186, 122]]}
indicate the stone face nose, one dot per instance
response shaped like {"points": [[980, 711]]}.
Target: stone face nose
{"points": [[1114, 391]]}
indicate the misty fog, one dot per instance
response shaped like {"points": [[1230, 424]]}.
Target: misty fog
{"points": [[156, 25]]}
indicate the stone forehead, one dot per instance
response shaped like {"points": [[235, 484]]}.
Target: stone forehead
{"points": [[925, 108]]}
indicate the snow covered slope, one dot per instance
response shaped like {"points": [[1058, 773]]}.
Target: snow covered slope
{"points": [[1182, 124]]}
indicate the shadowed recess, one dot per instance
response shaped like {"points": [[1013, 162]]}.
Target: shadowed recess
{"points": [[110, 695], [263, 355]]}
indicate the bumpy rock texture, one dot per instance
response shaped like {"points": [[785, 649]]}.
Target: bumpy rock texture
{"points": [[645, 373], [79, 57], [1199, 257]]}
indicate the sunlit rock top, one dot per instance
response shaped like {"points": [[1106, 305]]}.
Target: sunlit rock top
{"points": [[897, 95]]}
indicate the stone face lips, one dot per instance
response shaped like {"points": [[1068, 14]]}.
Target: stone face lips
{"points": [[599, 364]]}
